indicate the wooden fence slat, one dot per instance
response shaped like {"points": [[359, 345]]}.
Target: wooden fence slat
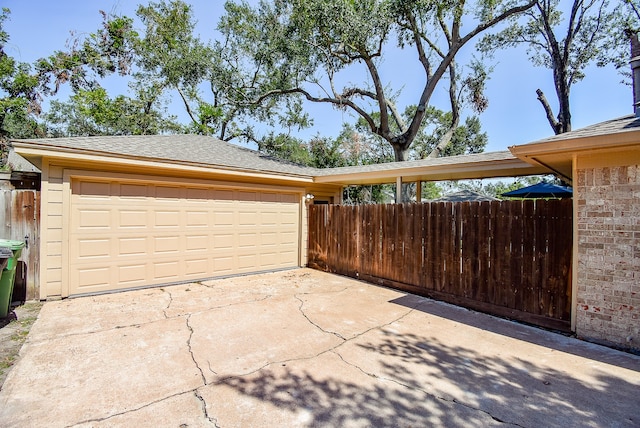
{"points": [[439, 247], [468, 251], [529, 271], [430, 261], [483, 237], [498, 249], [516, 297], [542, 237]]}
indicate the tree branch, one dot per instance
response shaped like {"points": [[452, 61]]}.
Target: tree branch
{"points": [[186, 105], [455, 115], [383, 130], [422, 56], [555, 125], [339, 102]]}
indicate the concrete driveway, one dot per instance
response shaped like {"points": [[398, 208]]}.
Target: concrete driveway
{"points": [[304, 348]]}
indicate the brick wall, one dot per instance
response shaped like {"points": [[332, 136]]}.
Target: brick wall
{"points": [[608, 294]]}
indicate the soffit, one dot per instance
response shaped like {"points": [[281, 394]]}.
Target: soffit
{"points": [[606, 140], [482, 165]]}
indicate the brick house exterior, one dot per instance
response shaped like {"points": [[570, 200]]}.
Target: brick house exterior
{"points": [[603, 163], [608, 205]]}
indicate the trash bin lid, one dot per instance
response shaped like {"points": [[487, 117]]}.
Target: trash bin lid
{"points": [[5, 253], [14, 245]]}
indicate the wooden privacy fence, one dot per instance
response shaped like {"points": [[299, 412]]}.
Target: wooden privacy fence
{"points": [[508, 258]]}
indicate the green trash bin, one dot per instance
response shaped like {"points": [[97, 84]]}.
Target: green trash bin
{"points": [[8, 272]]}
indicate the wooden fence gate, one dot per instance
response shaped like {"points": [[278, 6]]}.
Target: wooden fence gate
{"points": [[20, 221], [508, 258]]}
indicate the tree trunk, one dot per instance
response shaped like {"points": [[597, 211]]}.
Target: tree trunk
{"points": [[400, 152], [562, 90]]}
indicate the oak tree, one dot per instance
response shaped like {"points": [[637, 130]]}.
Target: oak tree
{"points": [[308, 45]]}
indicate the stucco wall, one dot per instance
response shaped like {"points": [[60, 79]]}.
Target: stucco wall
{"points": [[608, 215]]}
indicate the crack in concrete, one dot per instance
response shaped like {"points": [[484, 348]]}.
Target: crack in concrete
{"points": [[193, 357], [144, 406], [203, 402], [213, 308], [314, 324], [164, 311]]}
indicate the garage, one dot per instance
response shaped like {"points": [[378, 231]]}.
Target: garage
{"points": [[127, 212], [126, 234]]}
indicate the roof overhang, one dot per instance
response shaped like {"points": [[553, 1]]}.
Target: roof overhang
{"points": [[558, 154], [36, 154], [483, 165]]}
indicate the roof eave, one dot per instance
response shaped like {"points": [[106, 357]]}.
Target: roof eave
{"points": [[438, 172], [616, 140], [31, 151], [557, 154]]}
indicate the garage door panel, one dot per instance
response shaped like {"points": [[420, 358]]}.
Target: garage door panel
{"points": [[132, 275], [248, 218], [244, 197], [198, 195], [247, 241], [94, 189], [268, 260], [288, 218], [223, 264], [166, 271], [133, 246], [167, 218], [223, 196], [131, 234], [269, 218], [94, 219], [269, 238], [94, 277], [163, 245], [223, 219], [289, 238], [131, 219], [197, 219], [93, 248], [197, 267], [224, 241], [167, 194], [133, 191], [197, 243], [247, 262]]}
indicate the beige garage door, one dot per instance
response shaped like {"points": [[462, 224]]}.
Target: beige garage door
{"points": [[132, 234]]}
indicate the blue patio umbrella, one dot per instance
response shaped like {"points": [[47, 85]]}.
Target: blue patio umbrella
{"points": [[541, 190]]}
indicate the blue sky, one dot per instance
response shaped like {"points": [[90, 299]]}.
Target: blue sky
{"points": [[514, 116]]}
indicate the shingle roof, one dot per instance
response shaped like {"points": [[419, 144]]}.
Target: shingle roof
{"points": [[20, 164], [614, 126], [186, 149]]}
